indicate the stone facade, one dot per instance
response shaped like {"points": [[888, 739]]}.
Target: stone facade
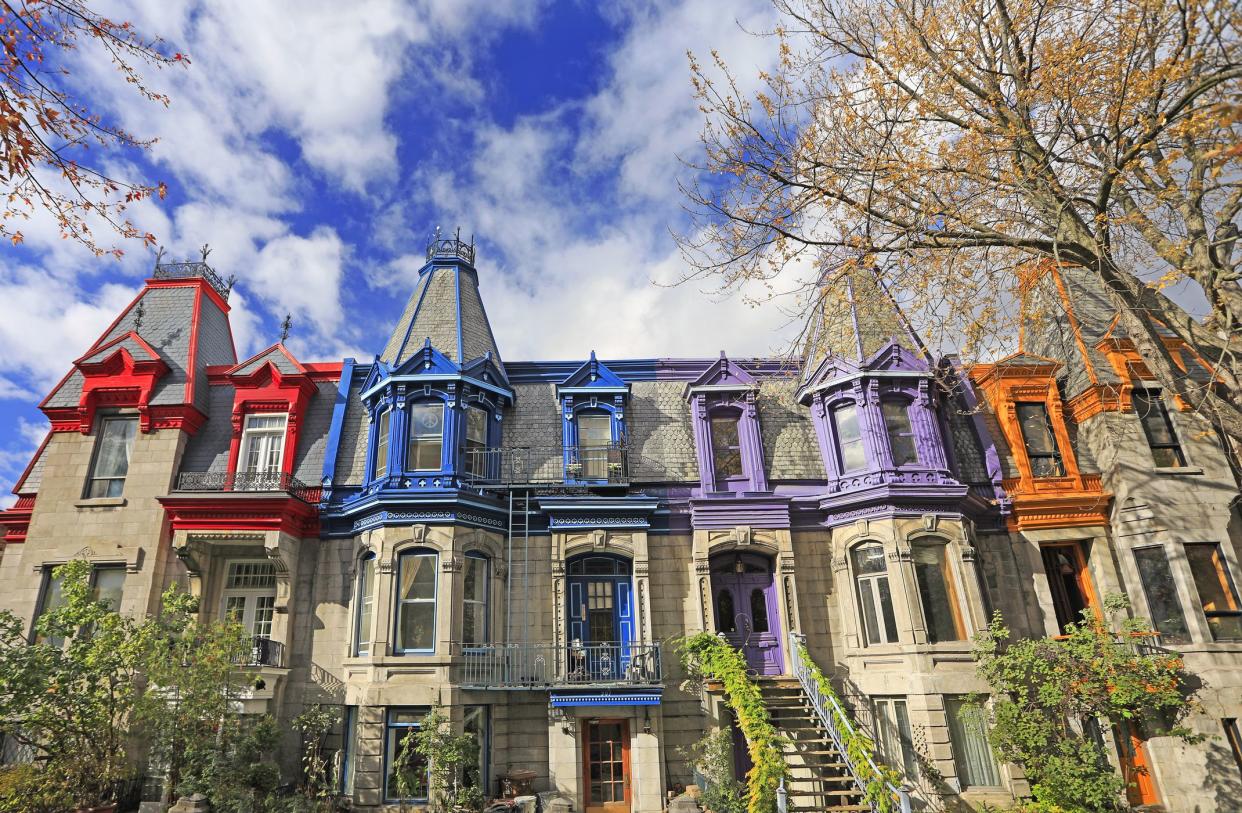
{"points": [[539, 534]]}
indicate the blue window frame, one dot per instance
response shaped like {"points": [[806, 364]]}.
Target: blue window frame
{"points": [[406, 772], [415, 620], [475, 458], [594, 453], [426, 446], [364, 605], [380, 430]]}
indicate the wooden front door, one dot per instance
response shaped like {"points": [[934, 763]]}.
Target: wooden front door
{"points": [[606, 766], [1135, 767]]}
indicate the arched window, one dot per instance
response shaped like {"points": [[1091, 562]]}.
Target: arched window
{"points": [[849, 437], [474, 600], [900, 433], [426, 436], [364, 600], [936, 593], [380, 428], [726, 446], [726, 614], [474, 449], [875, 600], [416, 601]]}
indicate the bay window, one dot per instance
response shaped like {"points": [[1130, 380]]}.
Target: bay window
{"points": [[849, 438], [875, 600], [475, 448], [416, 602], [381, 444], [900, 433], [426, 436]]}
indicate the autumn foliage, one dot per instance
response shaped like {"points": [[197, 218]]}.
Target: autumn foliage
{"points": [[47, 128]]}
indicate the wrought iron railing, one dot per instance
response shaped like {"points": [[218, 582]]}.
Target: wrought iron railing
{"points": [[241, 481], [263, 652], [606, 464], [542, 666], [451, 247], [194, 270], [834, 718]]}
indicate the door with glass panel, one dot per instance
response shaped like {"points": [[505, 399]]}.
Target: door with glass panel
{"points": [[747, 613], [262, 453], [249, 599], [606, 763], [601, 618]]}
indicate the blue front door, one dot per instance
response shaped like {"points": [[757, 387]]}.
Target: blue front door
{"points": [[601, 618]]}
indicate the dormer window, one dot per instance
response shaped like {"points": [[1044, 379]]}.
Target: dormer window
{"points": [[1040, 443], [475, 449], [594, 444], [900, 433], [381, 444], [263, 445], [849, 438], [726, 447], [426, 436]]}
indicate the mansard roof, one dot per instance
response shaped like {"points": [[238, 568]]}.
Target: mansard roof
{"points": [[446, 310]]}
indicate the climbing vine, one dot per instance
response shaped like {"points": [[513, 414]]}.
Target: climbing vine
{"points": [[876, 778], [710, 657]]}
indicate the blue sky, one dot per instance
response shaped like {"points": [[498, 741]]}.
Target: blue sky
{"points": [[316, 144]]}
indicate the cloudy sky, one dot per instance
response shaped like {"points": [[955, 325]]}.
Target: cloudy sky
{"points": [[315, 145]]}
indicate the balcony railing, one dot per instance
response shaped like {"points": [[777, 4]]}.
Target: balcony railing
{"points": [[542, 666], [590, 465], [263, 652], [239, 482], [194, 270]]}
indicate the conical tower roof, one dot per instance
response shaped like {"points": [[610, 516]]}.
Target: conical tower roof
{"points": [[854, 319], [445, 308]]}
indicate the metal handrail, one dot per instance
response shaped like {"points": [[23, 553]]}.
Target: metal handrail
{"points": [[194, 270], [830, 711], [540, 666], [247, 482], [551, 465], [263, 652]]}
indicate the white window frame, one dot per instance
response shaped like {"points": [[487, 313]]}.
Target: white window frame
{"points": [[252, 435], [250, 596]]}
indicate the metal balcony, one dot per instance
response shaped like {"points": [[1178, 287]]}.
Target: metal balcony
{"points": [[548, 465], [250, 483], [263, 652], [548, 666], [194, 270]]}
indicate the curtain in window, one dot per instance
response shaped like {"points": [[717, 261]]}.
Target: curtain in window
{"points": [[936, 593], [973, 756], [116, 438], [416, 612]]}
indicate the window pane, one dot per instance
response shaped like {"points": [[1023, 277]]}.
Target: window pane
{"points": [[975, 766], [418, 576], [869, 559], [475, 723], [426, 436], [725, 613], [476, 426], [53, 597], [427, 419], [1161, 594], [407, 777], [474, 616], [866, 601], [1041, 445], [849, 438], [759, 610], [726, 448], [900, 434], [594, 430], [1216, 591], [381, 444], [109, 582], [115, 442], [886, 610], [416, 626], [366, 598], [1165, 450], [935, 594]]}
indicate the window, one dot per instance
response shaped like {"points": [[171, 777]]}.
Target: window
{"points": [[406, 776], [1041, 444], [416, 602], [381, 444], [893, 735], [875, 602], [1065, 566], [594, 445], [849, 438], [107, 584], [726, 614], [476, 441], [250, 596], [939, 600], [426, 437], [971, 753], [51, 596], [111, 462], [726, 447], [262, 447], [474, 602], [1160, 590], [349, 750], [759, 610], [1216, 591], [1165, 450], [900, 433], [477, 723], [365, 598]]}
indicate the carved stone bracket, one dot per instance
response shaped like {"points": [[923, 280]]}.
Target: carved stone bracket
{"points": [[450, 564], [839, 563]]}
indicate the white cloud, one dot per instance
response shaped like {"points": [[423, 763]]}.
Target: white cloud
{"points": [[302, 275]]}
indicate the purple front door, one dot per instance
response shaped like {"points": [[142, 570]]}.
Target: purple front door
{"points": [[744, 600]]}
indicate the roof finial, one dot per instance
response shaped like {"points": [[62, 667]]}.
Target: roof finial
{"points": [[285, 327], [159, 256], [229, 287], [139, 312], [204, 251]]}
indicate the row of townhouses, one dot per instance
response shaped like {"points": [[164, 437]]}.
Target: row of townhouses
{"points": [[520, 542]]}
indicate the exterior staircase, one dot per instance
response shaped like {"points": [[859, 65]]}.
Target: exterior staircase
{"points": [[820, 778]]}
